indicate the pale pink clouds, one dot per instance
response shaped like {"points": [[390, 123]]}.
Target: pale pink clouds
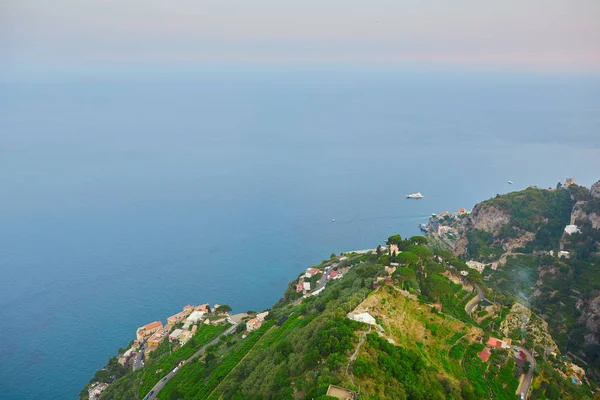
{"points": [[543, 33]]}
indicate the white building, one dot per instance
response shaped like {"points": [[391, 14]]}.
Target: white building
{"points": [[307, 286], [261, 316], [476, 265], [571, 229], [363, 317], [193, 318], [96, 390], [175, 334]]}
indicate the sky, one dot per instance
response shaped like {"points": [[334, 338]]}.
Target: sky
{"points": [[539, 34]]}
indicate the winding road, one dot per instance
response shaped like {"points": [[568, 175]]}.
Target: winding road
{"points": [[479, 298], [526, 385], [152, 394]]}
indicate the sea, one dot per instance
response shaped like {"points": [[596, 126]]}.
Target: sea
{"points": [[126, 194]]}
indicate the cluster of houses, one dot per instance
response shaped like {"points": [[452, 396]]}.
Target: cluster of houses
{"points": [[181, 327], [96, 390], [187, 322], [256, 322], [304, 281], [435, 223], [389, 270], [494, 343]]}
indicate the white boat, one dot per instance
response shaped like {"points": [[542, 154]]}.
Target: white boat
{"points": [[417, 195], [510, 182], [333, 220]]}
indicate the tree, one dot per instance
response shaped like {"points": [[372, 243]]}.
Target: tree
{"points": [[223, 309], [285, 348], [395, 239], [420, 240], [422, 252], [209, 357], [175, 395], [379, 252], [407, 258], [384, 259], [405, 275]]}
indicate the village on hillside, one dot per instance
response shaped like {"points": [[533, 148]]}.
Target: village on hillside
{"points": [[179, 329]]}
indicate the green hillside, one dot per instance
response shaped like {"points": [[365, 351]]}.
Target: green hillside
{"points": [[427, 336]]}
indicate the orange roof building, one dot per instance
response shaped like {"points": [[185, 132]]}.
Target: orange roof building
{"points": [[205, 308], [253, 324], [484, 355], [180, 316], [147, 330], [493, 342]]}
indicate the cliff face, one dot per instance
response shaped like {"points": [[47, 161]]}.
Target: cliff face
{"points": [[590, 317], [488, 218], [518, 234], [595, 190], [578, 215]]}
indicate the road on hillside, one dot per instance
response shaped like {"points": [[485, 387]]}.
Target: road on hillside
{"points": [[320, 284], [479, 298], [529, 375], [323, 281], [139, 358], [152, 394]]}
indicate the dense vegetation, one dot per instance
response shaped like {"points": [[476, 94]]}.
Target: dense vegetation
{"points": [[543, 212], [553, 285], [424, 344]]}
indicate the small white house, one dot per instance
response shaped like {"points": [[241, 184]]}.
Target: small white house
{"points": [[195, 317], [476, 265], [261, 316], [564, 254], [175, 334], [571, 229], [363, 317], [307, 286]]}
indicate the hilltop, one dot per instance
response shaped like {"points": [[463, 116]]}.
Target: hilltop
{"points": [[445, 316], [539, 247]]}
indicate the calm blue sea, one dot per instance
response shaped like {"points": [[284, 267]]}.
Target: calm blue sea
{"points": [[125, 195]]}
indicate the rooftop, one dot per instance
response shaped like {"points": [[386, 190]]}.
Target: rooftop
{"points": [[152, 325], [176, 333], [341, 393], [484, 355], [493, 342]]}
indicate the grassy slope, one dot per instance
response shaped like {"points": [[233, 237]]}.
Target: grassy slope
{"points": [[440, 341]]}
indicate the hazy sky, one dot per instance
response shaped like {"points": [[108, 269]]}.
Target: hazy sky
{"points": [[532, 33]]}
